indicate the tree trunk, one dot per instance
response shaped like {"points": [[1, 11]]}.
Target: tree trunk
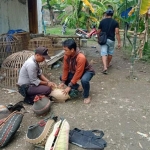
{"points": [[52, 17], [88, 25], [77, 19], [87, 22], [51, 13]]}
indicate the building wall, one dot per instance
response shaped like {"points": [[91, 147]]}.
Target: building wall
{"points": [[13, 15], [39, 7]]}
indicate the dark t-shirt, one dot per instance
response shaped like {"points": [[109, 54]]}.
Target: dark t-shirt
{"points": [[107, 23]]}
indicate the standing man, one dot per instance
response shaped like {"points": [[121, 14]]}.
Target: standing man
{"points": [[111, 27], [75, 68], [31, 81]]}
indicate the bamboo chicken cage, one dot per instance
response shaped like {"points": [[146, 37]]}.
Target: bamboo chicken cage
{"points": [[57, 41], [11, 66], [52, 42], [41, 41], [8, 44], [24, 38]]}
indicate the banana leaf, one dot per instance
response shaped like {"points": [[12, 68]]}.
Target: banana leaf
{"points": [[145, 4]]}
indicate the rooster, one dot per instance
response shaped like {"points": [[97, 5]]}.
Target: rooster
{"points": [[8, 109]]}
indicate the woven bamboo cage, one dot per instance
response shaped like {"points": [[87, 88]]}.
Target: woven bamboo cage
{"points": [[36, 35], [57, 41], [41, 41], [8, 44], [24, 38], [11, 66]]}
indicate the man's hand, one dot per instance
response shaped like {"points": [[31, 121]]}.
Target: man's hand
{"points": [[66, 90], [61, 86], [51, 84]]}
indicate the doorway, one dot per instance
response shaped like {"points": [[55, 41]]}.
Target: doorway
{"points": [[33, 20]]}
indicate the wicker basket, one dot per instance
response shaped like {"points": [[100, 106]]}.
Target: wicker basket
{"points": [[41, 41], [8, 44], [24, 38], [11, 66]]}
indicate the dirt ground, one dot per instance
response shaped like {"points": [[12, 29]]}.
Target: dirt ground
{"points": [[119, 107]]}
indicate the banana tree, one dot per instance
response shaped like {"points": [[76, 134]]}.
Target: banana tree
{"points": [[50, 4], [138, 8], [89, 14], [85, 12], [102, 5], [73, 13], [81, 13], [144, 7]]}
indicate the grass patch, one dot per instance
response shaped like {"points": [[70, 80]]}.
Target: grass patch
{"points": [[57, 30]]}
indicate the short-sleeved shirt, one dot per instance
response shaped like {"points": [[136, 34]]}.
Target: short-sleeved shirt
{"points": [[109, 24], [29, 72]]}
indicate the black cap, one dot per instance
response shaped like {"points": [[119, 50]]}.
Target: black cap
{"points": [[109, 11], [42, 51]]}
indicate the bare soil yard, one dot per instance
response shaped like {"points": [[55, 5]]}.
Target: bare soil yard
{"points": [[120, 106]]}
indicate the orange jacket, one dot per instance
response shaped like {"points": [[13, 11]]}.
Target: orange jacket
{"points": [[77, 64]]}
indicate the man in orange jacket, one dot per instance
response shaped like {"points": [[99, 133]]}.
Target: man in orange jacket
{"points": [[75, 68]]}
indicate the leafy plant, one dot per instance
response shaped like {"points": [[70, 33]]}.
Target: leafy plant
{"points": [[144, 6]]}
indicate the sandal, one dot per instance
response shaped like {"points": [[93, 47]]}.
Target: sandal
{"points": [[105, 71], [109, 66]]}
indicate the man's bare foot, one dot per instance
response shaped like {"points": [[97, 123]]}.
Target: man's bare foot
{"points": [[80, 88], [87, 100]]}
